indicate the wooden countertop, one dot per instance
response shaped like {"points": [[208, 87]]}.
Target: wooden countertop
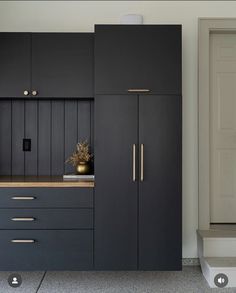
{"points": [[41, 181]]}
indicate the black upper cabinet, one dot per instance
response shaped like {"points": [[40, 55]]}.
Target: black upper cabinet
{"points": [[46, 65], [62, 64], [15, 67], [138, 57]]}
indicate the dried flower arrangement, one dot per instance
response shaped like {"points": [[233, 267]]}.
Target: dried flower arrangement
{"points": [[81, 155]]}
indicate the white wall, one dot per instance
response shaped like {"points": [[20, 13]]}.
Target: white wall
{"points": [[81, 16]]}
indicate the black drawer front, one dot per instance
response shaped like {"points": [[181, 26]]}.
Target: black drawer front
{"points": [[51, 250], [46, 218], [46, 197]]}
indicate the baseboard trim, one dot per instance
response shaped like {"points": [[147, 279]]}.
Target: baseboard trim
{"points": [[190, 262]]}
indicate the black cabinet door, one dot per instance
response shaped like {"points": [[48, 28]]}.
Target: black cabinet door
{"points": [[160, 222], [138, 57], [62, 65], [115, 192], [15, 64], [46, 250]]}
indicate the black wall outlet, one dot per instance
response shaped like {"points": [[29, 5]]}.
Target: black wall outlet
{"points": [[26, 145]]}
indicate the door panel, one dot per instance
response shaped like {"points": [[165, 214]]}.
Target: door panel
{"points": [[138, 56], [115, 192], [160, 223], [15, 64], [223, 128], [62, 65]]}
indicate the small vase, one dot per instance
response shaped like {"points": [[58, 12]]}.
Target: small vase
{"points": [[83, 168]]}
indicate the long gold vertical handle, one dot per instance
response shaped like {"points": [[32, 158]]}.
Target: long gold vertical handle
{"points": [[142, 162], [134, 162]]}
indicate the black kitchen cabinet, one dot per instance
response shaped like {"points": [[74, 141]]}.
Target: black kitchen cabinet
{"points": [[62, 65], [15, 64], [116, 192], [46, 65], [46, 250], [136, 58], [160, 204], [132, 219], [138, 182]]}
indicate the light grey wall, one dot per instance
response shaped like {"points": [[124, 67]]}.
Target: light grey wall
{"points": [[80, 16]]}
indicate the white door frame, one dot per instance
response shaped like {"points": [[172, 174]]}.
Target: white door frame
{"points": [[206, 26]]}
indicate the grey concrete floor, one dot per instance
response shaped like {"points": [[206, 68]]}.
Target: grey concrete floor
{"points": [[190, 280]]}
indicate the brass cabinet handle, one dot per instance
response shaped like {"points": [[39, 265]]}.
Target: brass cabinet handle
{"points": [[28, 219], [23, 197], [138, 90], [141, 162], [23, 241], [34, 93], [26, 93], [134, 162]]}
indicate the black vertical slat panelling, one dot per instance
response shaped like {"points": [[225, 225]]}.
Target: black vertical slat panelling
{"points": [[31, 121], [71, 126], [44, 138], [17, 137], [5, 138], [58, 121], [84, 121], [92, 125], [54, 127]]}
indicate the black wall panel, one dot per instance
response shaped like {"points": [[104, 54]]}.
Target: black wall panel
{"points": [[31, 127], [71, 131], [18, 134], [54, 127], [58, 137], [5, 138]]}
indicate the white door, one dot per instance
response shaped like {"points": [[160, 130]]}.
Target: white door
{"points": [[223, 127]]}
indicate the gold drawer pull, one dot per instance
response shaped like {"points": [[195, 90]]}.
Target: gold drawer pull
{"points": [[23, 241], [23, 197], [138, 90], [23, 219]]}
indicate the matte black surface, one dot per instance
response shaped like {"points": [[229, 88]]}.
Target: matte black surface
{"points": [[138, 56], [47, 197], [62, 64], [53, 250], [5, 137], [115, 192], [71, 132], [15, 64], [47, 218], [160, 204], [17, 163], [58, 137], [44, 138], [31, 131], [54, 127]]}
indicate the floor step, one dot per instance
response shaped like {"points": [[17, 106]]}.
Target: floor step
{"points": [[216, 243], [219, 271]]}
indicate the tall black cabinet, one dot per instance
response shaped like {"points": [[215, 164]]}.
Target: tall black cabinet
{"points": [[138, 125], [121, 89]]}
